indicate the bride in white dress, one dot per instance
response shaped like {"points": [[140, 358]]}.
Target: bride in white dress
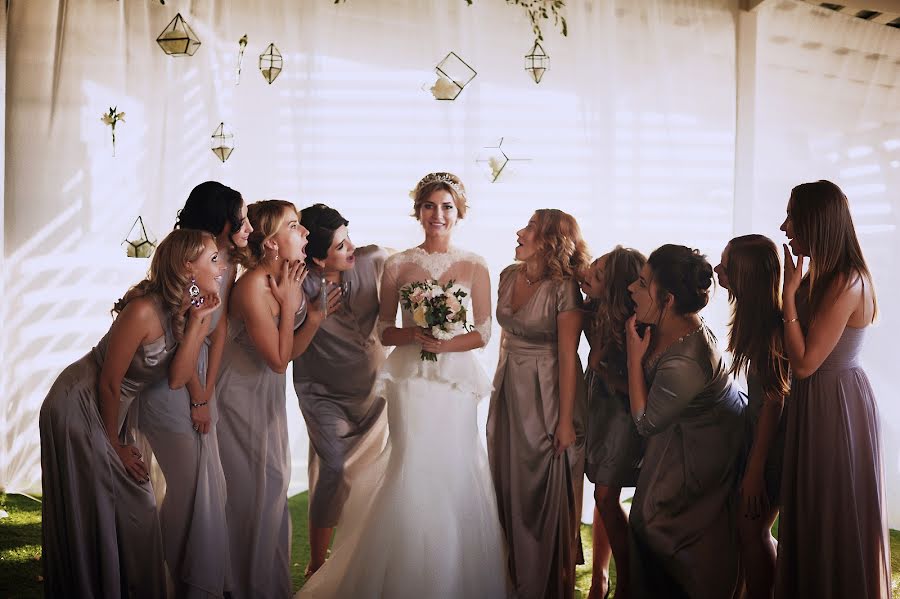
{"points": [[422, 521]]}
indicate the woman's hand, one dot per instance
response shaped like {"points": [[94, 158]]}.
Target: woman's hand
{"points": [[201, 417], [793, 274], [314, 307], [636, 346], [289, 293], [563, 437], [206, 305], [131, 459], [429, 343], [754, 499]]}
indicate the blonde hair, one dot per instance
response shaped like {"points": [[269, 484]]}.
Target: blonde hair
{"points": [[168, 277], [266, 218], [560, 244], [433, 182]]}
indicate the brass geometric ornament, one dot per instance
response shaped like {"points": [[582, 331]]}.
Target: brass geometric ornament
{"points": [[270, 63], [537, 62], [138, 243], [178, 39], [222, 142]]}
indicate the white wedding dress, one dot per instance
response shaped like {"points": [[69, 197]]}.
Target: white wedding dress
{"points": [[422, 521]]}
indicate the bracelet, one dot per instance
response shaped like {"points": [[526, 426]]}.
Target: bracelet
{"points": [[199, 405], [786, 321]]}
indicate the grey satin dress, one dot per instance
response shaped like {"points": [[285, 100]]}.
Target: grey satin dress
{"points": [[613, 447], [772, 469], [100, 528], [256, 460], [334, 379], [684, 540], [538, 493], [192, 509], [832, 533]]}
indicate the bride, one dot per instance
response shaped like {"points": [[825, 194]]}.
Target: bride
{"points": [[428, 527]]}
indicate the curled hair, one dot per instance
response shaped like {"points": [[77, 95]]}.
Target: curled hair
{"points": [[266, 218], [754, 291], [820, 214], [321, 222], [562, 249], [433, 182], [209, 207], [168, 277], [683, 272], [615, 306]]}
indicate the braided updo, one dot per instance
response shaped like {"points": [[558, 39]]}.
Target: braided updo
{"points": [[683, 272]]}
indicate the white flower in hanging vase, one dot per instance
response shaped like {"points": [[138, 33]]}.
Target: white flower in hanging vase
{"points": [[444, 89], [111, 118]]}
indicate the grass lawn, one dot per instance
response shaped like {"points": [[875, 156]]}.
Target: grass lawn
{"points": [[20, 549]]}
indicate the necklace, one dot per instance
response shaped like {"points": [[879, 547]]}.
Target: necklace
{"points": [[528, 281], [656, 356]]}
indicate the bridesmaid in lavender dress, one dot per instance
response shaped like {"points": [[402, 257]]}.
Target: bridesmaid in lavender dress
{"points": [[684, 543], [180, 424], [832, 535], [269, 325], [535, 428], [334, 377], [100, 529]]}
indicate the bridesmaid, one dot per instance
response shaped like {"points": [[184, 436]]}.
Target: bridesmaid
{"points": [[100, 528], [751, 272], [683, 401], [535, 428], [334, 377], [613, 446], [180, 423], [833, 473], [269, 325]]}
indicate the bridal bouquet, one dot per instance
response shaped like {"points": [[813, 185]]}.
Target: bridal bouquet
{"points": [[436, 308]]}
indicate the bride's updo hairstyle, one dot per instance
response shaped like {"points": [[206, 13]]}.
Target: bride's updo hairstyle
{"points": [[683, 272], [433, 182]]}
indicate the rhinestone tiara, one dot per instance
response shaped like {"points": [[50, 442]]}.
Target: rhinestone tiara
{"points": [[438, 178]]}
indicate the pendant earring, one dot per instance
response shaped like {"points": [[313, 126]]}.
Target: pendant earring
{"points": [[194, 293]]}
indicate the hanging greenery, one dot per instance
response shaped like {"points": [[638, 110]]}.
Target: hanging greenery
{"points": [[538, 12]]}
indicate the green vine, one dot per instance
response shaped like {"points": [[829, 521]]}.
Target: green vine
{"points": [[538, 11]]}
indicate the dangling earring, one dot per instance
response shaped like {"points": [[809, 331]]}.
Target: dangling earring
{"points": [[194, 293]]}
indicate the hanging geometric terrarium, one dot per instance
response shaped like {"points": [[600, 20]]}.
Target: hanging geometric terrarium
{"points": [[178, 39], [271, 63], [494, 160], [454, 74], [537, 62], [222, 142], [138, 243]]}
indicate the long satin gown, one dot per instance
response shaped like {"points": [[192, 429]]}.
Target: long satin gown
{"points": [[192, 506], [100, 529], [256, 460], [832, 535], [538, 493], [684, 542], [422, 521], [333, 380]]}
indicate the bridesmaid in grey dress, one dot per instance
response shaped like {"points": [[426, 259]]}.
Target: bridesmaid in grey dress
{"points": [[535, 428], [334, 377], [180, 424], [269, 325], [833, 476], [682, 399], [751, 272], [100, 529], [613, 447]]}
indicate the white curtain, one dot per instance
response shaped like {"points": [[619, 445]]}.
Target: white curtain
{"points": [[634, 130]]}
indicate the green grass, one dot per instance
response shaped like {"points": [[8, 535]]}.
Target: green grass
{"points": [[20, 549]]}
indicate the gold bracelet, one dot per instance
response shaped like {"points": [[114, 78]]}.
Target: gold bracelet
{"points": [[199, 405], [789, 321]]}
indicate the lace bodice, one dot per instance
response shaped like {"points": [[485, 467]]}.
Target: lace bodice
{"points": [[465, 268]]}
